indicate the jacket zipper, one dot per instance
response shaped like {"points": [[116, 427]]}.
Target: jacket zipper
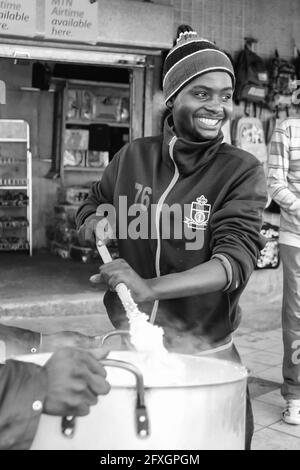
{"points": [[157, 221]]}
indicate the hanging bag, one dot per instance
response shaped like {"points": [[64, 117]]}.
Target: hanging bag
{"points": [[248, 134], [282, 84], [251, 77]]}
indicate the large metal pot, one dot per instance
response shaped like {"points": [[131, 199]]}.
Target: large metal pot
{"points": [[200, 405]]}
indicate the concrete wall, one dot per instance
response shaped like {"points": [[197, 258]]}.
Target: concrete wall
{"points": [[275, 23]]}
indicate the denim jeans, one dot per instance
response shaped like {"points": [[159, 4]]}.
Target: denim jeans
{"points": [[290, 257]]}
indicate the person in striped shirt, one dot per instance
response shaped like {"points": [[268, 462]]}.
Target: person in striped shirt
{"points": [[284, 187]]}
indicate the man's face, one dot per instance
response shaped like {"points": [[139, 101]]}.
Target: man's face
{"points": [[202, 107]]}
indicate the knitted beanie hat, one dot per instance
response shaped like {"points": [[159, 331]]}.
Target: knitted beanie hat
{"points": [[190, 57]]}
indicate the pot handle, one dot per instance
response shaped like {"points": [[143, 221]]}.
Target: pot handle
{"points": [[125, 333], [141, 415]]}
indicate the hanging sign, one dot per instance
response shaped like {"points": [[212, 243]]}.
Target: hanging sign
{"points": [[18, 18], [71, 20]]}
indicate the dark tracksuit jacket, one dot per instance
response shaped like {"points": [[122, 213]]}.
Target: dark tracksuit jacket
{"points": [[223, 191]]}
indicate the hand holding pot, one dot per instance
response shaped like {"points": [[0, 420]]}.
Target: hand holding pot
{"points": [[75, 378]]}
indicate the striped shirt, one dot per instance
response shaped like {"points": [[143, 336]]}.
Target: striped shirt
{"points": [[284, 177]]}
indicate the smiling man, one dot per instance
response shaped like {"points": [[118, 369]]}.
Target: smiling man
{"points": [[189, 284], [203, 106]]}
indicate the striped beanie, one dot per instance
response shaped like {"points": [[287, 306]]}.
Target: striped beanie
{"points": [[190, 57]]}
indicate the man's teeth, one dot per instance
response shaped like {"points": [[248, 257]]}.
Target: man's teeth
{"points": [[209, 122]]}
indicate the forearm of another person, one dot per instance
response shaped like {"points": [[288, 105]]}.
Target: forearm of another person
{"points": [[15, 341], [52, 341]]}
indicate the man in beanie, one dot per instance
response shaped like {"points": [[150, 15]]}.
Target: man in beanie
{"points": [[188, 275]]}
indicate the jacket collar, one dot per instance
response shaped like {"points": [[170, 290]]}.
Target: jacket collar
{"points": [[189, 156]]}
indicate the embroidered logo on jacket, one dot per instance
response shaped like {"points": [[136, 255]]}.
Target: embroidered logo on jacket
{"points": [[199, 215]]}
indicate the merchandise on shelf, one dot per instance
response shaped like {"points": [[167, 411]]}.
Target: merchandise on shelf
{"points": [[13, 243], [96, 104], [76, 139], [87, 110], [74, 158], [10, 222], [108, 108], [123, 115], [97, 159], [73, 104], [9, 199], [63, 239], [62, 234], [15, 186], [76, 145]]}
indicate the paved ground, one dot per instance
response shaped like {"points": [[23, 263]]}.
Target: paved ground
{"points": [[262, 354], [49, 294]]}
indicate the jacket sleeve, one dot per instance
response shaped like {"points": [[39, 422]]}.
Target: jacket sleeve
{"points": [[236, 225], [102, 192], [14, 340], [22, 393]]}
